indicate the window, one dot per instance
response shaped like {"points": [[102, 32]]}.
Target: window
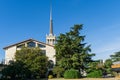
{"points": [[20, 46], [51, 64], [41, 46], [31, 44]]}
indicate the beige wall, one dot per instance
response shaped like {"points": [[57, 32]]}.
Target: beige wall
{"points": [[10, 54], [50, 53]]}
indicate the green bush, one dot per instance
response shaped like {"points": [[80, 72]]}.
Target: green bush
{"points": [[71, 74], [95, 74], [58, 71], [50, 76]]}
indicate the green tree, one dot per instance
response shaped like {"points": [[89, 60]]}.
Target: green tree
{"points": [[95, 74], [34, 60], [92, 66], [107, 65], [95, 69], [14, 71], [58, 71], [115, 57], [71, 52], [71, 74]]}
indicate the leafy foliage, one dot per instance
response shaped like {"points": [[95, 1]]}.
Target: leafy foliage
{"points": [[71, 52], [95, 74], [116, 56], [33, 59], [50, 76], [15, 70], [58, 71], [94, 66], [99, 65], [107, 65], [71, 74], [30, 63]]}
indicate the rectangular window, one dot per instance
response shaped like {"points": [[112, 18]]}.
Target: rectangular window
{"points": [[31, 44], [41, 46]]}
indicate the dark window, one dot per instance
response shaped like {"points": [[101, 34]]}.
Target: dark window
{"points": [[31, 44], [41, 46], [50, 64], [11, 61], [20, 46]]}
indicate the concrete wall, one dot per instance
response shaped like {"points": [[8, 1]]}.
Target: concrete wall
{"points": [[10, 54], [50, 52]]}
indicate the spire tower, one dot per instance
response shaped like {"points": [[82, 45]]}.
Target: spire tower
{"points": [[51, 21], [50, 39]]}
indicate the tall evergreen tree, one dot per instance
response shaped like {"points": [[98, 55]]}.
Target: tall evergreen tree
{"points": [[71, 51]]}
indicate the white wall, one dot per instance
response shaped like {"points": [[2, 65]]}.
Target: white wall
{"points": [[10, 54], [50, 52]]}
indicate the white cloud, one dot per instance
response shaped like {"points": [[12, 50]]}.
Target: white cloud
{"points": [[104, 51]]}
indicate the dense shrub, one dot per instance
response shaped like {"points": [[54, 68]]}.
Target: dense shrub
{"points": [[50, 76], [58, 71], [71, 74], [95, 74]]}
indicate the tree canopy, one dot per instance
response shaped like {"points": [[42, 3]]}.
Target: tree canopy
{"points": [[71, 51], [34, 60], [29, 63], [115, 57], [107, 65]]}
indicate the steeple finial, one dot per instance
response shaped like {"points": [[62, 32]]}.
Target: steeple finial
{"points": [[51, 22], [51, 10]]}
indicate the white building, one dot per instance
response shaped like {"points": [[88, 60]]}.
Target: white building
{"points": [[47, 48]]}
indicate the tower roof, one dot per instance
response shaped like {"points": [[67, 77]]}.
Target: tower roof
{"points": [[51, 21]]}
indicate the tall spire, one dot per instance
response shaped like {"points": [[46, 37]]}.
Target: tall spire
{"points": [[50, 39], [51, 21]]}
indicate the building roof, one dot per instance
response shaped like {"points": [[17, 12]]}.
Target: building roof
{"points": [[117, 62], [27, 41]]}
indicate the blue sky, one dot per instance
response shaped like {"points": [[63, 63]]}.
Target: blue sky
{"points": [[24, 19]]}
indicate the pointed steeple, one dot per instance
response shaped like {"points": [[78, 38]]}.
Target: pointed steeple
{"points": [[51, 21], [51, 39]]}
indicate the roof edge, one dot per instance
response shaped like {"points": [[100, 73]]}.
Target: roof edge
{"points": [[31, 39]]}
